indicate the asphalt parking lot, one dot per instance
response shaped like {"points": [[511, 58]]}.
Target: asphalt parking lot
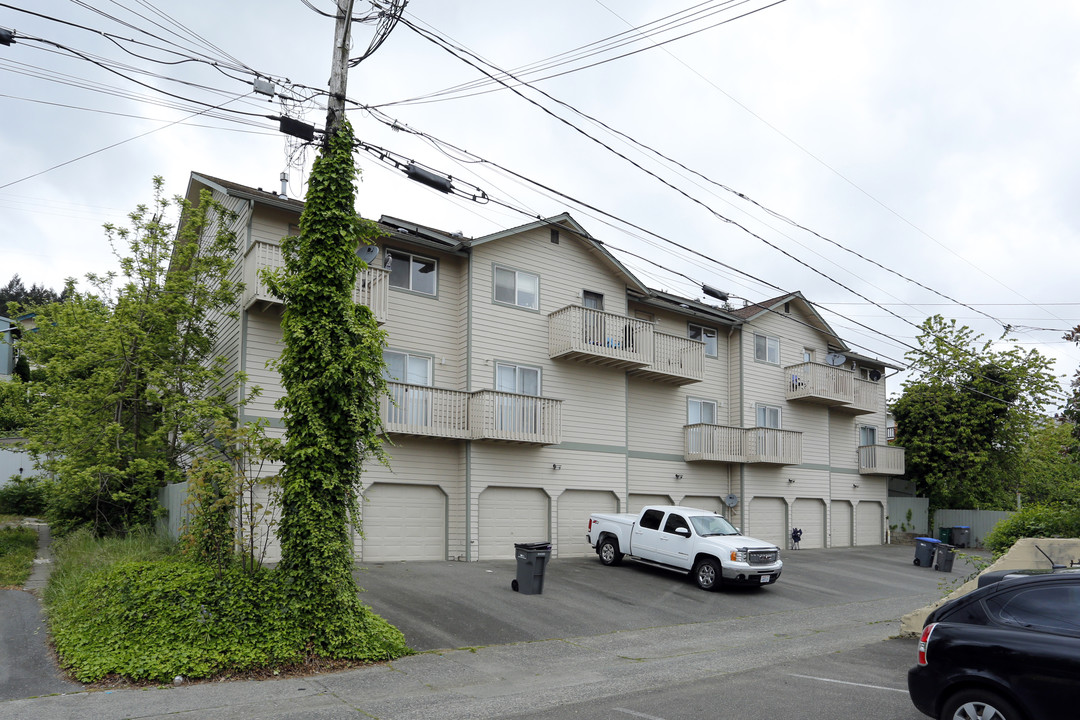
{"points": [[453, 605]]}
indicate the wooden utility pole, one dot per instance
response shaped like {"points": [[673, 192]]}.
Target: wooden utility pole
{"points": [[339, 68]]}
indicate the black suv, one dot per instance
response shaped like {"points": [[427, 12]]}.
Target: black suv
{"points": [[1009, 650]]}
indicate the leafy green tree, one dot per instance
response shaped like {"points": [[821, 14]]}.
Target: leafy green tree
{"points": [[1048, 472], [331, 369], [966, 415], [16, 292], [1072, 405], [130, 384]]}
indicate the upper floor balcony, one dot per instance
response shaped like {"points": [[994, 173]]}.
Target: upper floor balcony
{"points": [[372, 284], [834, 386], [721, 443], [482, 415], [881, 460], [603, 338]]}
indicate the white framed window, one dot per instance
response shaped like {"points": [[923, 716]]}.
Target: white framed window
{"points": [[515, 287], [867, 435], [412, 272], [700, 411], [520, 412], [767, 349], [807, 355], [706, 335], [411, 405], [768, 416], [593, 300]]}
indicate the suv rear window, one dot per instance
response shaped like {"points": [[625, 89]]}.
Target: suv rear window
{"points": [[1047, 608]]}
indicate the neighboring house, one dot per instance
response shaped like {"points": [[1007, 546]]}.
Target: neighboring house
{"points": [[9, 330], [534, 380]]}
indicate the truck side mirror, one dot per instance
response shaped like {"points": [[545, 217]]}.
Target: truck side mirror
{"points": [[684, 531]]}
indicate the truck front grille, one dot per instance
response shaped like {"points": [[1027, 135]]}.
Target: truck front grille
{"points": [[763, 557]]}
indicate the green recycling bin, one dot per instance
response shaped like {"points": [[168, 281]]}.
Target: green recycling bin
{"points": [[532, 559], [945, 534]]}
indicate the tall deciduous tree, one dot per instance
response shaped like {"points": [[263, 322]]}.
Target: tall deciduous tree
{"points": [[965, 416], [128, 381], [331, 369]]}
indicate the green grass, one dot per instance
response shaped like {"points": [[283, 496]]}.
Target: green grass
{"points": [[4, 518], [18, 547], [80, 555]]}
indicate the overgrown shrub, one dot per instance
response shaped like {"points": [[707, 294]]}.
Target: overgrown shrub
{"points": [[156, 619], [18, 546], [23, 495], [1033, 521]]}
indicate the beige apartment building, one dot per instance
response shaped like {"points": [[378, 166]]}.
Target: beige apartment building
{"points": [[535, 380]]}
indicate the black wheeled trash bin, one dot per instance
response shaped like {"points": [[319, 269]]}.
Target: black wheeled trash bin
{"points": [[943, 558], [924, 551], [531, 560], [961, 536]]}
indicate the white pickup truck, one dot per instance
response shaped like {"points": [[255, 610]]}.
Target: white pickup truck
{"points": [[693, 541]]}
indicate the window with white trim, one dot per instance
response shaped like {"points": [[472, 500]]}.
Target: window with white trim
{"points": [[411, 404], [768, 416], [519, 412], [767, 349], [706, 335], [867, 435], [593, 300], [412, 272], [700, 411], [515, 287]]}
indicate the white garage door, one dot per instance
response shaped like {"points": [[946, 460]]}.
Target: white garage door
{"points": [[575, 506], [768, 520], [705, 502], [403, 522], [636, 501], [508, 516], [868, 526], [809, 516], [841, 523]]}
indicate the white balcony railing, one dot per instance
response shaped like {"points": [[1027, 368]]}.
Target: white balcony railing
{"points": [[778, 447], [600, 337], [881, 460], [483, 415], [372, 284], [497, 415], [676, 359], [721, 443], [816, 382], [869, 397]]}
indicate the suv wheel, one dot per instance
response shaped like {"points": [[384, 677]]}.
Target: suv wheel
{"points": [[979, 705]]}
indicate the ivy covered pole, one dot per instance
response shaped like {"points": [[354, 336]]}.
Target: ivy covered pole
{"points": [[331, 372]]}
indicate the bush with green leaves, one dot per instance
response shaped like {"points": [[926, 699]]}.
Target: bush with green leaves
{"points": [[1033, 521], [156, 619], [23, 495]]}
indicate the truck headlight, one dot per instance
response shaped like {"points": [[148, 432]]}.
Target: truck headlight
{"points": [[738, 555]]}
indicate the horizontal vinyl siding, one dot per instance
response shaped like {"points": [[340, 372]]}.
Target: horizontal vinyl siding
{"points": [[264, 345]]}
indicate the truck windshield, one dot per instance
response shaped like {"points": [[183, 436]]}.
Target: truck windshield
{"points": [[705, 525]]}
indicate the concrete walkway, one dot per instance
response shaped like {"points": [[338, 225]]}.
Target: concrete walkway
{"points": [[27, 666]]}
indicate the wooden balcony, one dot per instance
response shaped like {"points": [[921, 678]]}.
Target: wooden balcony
{"points": [[720, 443], [511, 417], [773, 447], [869, 398], [600, 338], [372, 284], [821, 384], [715, 443], [881, 460], [676, 360], [483, 415], [426, 411]]}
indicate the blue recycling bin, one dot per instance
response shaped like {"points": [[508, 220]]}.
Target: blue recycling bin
{"points": [[924, 551]]}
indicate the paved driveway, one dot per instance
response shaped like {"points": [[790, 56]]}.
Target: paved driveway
{"points": [[452, 605]]}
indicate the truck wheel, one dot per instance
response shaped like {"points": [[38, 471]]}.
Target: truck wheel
{"points": [[609, 552], [707, 574]]}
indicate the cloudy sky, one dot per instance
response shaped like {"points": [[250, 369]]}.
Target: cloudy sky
{"points": [[927, 149]]}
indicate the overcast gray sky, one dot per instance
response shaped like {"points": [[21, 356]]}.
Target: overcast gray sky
{"points": [[935, 138]]}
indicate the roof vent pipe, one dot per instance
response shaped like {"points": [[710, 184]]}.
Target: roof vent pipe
{"points": [[284, 185]]}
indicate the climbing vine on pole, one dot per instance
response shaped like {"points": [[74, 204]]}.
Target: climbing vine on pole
{"points": [[331, 370]]}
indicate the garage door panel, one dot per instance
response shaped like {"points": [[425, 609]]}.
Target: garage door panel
{"points": [[403, 522], [808, 515], [509, 516], [705, 502], [841, 524], [636, 501], [868, 524], [768, 520], [575, 506]]}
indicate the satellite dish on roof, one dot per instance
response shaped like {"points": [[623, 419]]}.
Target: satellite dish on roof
{"points": [[731, 500], [875, 375], [367, 253], [835, 359]]}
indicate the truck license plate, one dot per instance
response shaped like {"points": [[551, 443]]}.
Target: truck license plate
{"points": [[764, 579]]}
